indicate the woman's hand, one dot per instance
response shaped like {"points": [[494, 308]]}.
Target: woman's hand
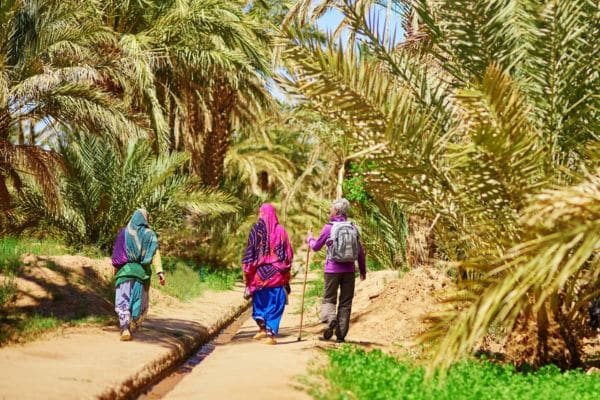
{"points": [[309, 235], [161, 278]]}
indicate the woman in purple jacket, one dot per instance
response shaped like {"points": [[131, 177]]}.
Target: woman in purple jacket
{"points": [[338, 274]]}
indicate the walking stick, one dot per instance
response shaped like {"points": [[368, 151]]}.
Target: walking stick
{"points": [[303, 290]]}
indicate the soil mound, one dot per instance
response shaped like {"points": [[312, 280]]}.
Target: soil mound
{"points": [[394, 316], [65, 287]]}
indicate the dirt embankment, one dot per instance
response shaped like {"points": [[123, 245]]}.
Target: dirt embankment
{"points": [[393, 316], [65, 287]]}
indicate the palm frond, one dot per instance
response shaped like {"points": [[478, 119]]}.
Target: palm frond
{"points": [[533, 273]]}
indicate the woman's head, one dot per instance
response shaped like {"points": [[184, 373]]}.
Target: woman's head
{"points": [[267, 212], [340, 207], [139, 218]]}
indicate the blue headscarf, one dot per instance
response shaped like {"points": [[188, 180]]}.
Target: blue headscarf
{"points": [[140, 241]]}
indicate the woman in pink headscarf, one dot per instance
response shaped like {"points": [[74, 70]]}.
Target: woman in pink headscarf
{"points": [[267, 262]]}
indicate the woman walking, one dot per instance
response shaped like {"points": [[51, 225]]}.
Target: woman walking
{"points": [[344, 250], [134, 254], [267, 263]]}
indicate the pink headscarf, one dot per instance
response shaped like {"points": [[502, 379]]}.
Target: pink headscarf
{"points": [[268, 250], [275, 232]]}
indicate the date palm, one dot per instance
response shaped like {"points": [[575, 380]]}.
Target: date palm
{"points": [[485, 113], [204, 64], [103, 183], [52, 77]]}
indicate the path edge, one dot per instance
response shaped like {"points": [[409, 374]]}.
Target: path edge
{"points": [[158, 369]]}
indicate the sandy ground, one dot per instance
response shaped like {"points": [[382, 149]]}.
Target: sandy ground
{"points": [[91, 362], [244, 368]]}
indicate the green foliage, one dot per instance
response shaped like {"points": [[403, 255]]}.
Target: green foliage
{"points": [[384, 230], [314, 290], [353, 373], [103, 184], [183, 282], [37, 324], [220, 279], [12, 248], [186, 281], [355, 187], [53, 75], [473, 122]]}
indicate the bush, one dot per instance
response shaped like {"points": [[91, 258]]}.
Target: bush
{"points": [[186, 281], [357, 374], [220, 279]]}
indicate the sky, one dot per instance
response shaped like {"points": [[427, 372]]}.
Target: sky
{"points": [[329, 23]]}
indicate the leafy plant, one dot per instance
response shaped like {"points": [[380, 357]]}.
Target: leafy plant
{"points": [[51, 76], [355, 373], [103, 184]]}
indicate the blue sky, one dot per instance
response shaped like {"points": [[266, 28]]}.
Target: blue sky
{"points": [[328, 23], [332, 18]]}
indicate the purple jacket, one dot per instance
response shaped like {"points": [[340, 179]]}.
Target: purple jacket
{"points": [[333, 266]]}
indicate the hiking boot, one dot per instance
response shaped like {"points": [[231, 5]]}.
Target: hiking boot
{"points": [[260, 335], [270, 340], [125, 335], [340, 340], [328, 333]]}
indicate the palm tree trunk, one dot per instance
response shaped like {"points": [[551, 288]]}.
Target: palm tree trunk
{"points": [[5, 202], [217, 141], [194, 129]]}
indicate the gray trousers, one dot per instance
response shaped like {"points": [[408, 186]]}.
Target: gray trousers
{"points": [[345, 282]]}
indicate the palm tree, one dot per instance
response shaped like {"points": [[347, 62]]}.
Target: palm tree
{"points": [[103, 183], [204, 64], [487, 104], [51, 77]]}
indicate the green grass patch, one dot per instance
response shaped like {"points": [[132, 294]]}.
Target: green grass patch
{"points": [[185, 281], [374, 265], [313, 293], [316, 266], [8, 292], [219, 279], [24, 328], [353, 373], [315, 288], [12, 248], [37, 324]]}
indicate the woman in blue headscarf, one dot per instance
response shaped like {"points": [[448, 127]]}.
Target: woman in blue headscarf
{"points": [[134, 255]]}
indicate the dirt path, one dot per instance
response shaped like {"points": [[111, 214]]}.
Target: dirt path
{"points": [[86, 363], [243, 368], [90, 362]]}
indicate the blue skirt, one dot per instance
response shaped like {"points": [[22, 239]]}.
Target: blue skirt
{"points": [[267, 307]]}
